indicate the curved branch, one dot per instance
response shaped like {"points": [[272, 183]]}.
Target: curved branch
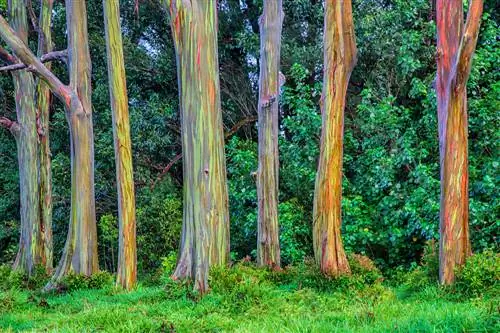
{"points": [[62, 91], [12, 126], [51, 56]]}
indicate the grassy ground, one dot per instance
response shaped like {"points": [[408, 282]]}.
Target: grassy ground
{"points": [[265, 308]]}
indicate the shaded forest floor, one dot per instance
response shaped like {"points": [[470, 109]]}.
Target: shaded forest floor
{"points": [[254, 308]]}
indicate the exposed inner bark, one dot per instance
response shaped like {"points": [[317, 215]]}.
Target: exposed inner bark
{"points": [[127, 254], [31, 247], [205, 231], [268, 247], [43, 109], [340, 58], [456, 45]]}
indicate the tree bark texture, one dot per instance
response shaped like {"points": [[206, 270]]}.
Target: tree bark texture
{"points": [[205, 231], [127, 254], [456, 44], [268, 247], [80, 252], [339, 60], [31, 246], [43, 113]]}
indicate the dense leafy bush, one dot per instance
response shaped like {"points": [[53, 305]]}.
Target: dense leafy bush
{"points": [[480, 274], [99, 280]]}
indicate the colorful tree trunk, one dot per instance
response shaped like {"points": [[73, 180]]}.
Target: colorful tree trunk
{"points": [[455, 48], [43, 105], [339, 60], [205, 231], [31, 248], [80, 251], [127, 256], [268, 247]]}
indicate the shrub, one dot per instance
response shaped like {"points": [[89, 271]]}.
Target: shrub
{"points": [[480, 274], [159, 222], [99, 280]]}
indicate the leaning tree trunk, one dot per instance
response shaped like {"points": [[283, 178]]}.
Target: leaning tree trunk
{"points": [[268, 246], [31, 247], [43, 105], [339, 60], [205, 231], [127, 257], [455, 48]]}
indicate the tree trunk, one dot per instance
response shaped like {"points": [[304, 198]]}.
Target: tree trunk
{"points": [[456, 46], [31, 250], [268, 247], [43, 105], [339, 60], [205, 231], [127, 256], [80, 251]]}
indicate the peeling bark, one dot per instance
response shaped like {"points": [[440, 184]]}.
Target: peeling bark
{"points": [[205, 231], [80, 252], [268, 247], [30, 252], [127, 254], [455, 47], [339, 61], [43, 109]]}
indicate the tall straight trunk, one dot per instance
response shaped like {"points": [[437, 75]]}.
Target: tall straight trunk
{"points": [[30, 251], [43, 108], [127, 256], [268, 246], [80, 251], [455, 47], [205, 231], [339, 60]]}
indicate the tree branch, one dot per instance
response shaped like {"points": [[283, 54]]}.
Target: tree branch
{"points": [[62, 91], [7, 57], [227, 135], [468, 42], [48, 57], [12, 126]]}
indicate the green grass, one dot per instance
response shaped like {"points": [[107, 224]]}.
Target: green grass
{"points": [[259, 307]]}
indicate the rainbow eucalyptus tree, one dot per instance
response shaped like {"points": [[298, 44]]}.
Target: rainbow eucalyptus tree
{"points": [[35, 242], [205, 231], [80, 252], [268, 247], [43, 96], [127, 255], [339, 61], [456, 44]]}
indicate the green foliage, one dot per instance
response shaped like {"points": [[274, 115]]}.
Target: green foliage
{"points": [[295, 232], [99, 280], [10, 279], [480, 274], [159, 223]]}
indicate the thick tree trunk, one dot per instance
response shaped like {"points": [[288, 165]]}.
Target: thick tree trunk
{"points": [[268, 247], [43, 105], [205, 231], [456, 46], [31, 247], [80, 251], [339, 60], [127, 256]]}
